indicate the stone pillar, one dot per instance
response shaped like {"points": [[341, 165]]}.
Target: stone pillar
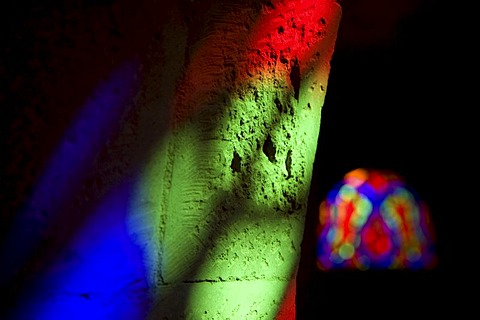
{"points": [[219, 208]]}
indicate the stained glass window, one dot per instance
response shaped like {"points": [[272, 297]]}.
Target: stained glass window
{"points": [[373, 220]]}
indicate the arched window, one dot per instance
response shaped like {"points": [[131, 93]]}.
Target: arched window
{"points": [[373, 220]]}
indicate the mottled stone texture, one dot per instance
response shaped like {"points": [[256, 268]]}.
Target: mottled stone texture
{"points": [[226, 191], [218, 131]]}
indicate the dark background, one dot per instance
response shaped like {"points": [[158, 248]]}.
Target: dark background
{"points": [[394, 100]]}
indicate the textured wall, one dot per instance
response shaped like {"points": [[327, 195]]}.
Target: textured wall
{"points": [[209, 112], [226, 191]]}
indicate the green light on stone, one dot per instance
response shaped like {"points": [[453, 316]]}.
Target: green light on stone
{"points": [[220, 208], [237, 299], [260, 257], [227, 207]]}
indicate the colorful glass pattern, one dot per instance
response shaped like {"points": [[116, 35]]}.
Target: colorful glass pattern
{"points": [[373, 220]]}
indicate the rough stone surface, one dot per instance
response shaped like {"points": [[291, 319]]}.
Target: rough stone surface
{"points": [[226, 191]]}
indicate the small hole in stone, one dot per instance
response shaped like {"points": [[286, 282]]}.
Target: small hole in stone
{"points": [[279, 105], [295, 78], [269, 149], [236, 162], [288, 164]]}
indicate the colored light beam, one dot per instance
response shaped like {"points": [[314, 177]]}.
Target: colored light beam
{"points": [[219, 209], [98, 275], [252, 207], [96, 122]]}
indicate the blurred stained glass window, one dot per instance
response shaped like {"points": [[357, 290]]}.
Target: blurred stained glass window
{"points": [[373, 220]]}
